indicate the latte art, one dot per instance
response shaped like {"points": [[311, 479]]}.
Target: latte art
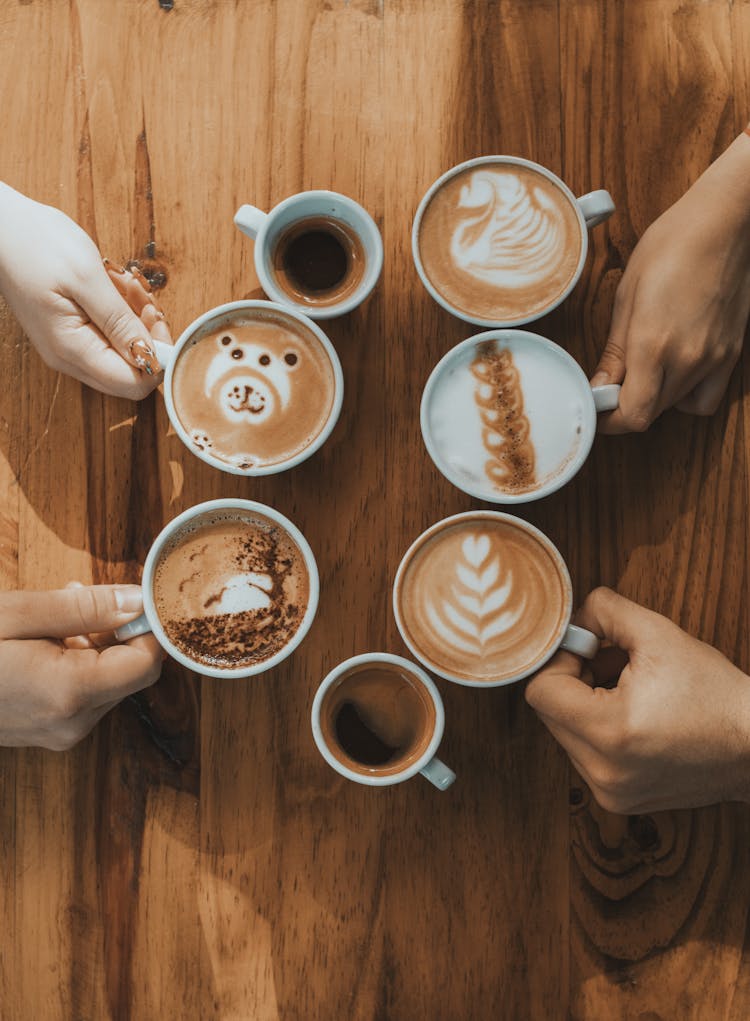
{"points": [[512, 235], [480, 598], [500, 241]]}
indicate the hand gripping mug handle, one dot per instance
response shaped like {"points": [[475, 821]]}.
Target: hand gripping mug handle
{"points": [[249, 219], [438, 774], [607, 397], [580, 642], [134, 628], [596, 206]]}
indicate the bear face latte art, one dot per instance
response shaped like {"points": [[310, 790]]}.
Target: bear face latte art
{"points": [[256, 390]]}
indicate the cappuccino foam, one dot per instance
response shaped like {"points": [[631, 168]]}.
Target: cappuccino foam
{"points": [[500, 241], [231, 590], [482, 599], [254, 391]]}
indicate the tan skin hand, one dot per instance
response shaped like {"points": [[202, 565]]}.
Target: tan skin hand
{"points": [[682, 306], [674, 731], [60, 668], [84, 320]]}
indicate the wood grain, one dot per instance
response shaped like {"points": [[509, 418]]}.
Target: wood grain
{"points": [[195, 857]]}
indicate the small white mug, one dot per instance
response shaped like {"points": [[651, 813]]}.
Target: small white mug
{"points": [[570, 637], [149, 619], [427, 764], [266, 229], [592, 209], [557, 405], [168, 356]]}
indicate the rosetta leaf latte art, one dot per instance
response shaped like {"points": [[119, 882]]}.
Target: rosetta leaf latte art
{"points": [[477, 610]]}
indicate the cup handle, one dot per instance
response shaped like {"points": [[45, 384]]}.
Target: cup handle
{"points": [[164, 352], [596, 206], [438, 774], [580, 642], [139, 626], [607, 397], [250, 220]]}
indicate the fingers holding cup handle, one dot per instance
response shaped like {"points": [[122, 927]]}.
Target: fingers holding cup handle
{"points": [[133, 629], [580, 642], [606, 397]]}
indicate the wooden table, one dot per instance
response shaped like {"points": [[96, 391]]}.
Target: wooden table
{"points": [[195, 857]]}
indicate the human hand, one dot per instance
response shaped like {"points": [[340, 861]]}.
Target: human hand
{"points": [[673, 733], [60, 669], [682, 305], [84, 321]]}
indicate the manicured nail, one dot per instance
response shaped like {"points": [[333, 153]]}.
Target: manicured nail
{"points": [[129, 598], [111, 268], [144, 357], [142, 280]]}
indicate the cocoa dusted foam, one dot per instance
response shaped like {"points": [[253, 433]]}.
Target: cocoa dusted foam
{"points": [[231, 590], [482, 599], [500, 241], [254, 391], [318, 261], [377, 718]]}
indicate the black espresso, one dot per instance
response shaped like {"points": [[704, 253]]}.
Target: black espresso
{"points": [[319, 261]]}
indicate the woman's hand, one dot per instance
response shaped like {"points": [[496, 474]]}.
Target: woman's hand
{"points": [[79, 317], [673, 733], [60, 669], [682, 305]]}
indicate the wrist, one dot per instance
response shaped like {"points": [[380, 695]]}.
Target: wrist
{"points": [[725, 185]]}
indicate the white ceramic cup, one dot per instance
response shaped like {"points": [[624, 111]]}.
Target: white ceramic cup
{"points": [[168, 356], [266, 228], [427, 764], [569, 636], [149, 619], [592, 209], [559, 405]]}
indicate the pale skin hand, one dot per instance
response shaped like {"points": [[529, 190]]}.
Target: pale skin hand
{"points": [[60, 668], [682, 305], [82, 319], [673, 733]]}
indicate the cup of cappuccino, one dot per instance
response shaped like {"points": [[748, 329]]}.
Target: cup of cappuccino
{"points": [[230, 589], [500, 241], [251, 387], [318, 252], [378, 719], [509, 417], [485, 599]]}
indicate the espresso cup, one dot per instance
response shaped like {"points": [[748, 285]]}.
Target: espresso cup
{"points": [[378, 719], [252, 387], [317, 252], [230, 589], [484, 599], [509, 417], [500, 241]]}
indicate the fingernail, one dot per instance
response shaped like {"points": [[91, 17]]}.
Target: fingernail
{"points": [[119, 270], [599, 379], [144, 357], [142, 280], [129, 598]]}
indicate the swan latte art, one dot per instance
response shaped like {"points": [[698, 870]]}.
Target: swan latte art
{"points": [[481, 598], [500, 241]]}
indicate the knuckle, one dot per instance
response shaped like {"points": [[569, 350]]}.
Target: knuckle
{"points": [[118, 325], [637, 420], [67, 701]]}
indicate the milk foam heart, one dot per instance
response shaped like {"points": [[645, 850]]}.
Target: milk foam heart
{"points": [[481, 598], [500, 241], [506, 414]]}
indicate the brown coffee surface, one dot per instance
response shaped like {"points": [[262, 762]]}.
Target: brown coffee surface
{"points": [[378, 718], [231, 590], [254, 391], [318, 261], [482, 600], [500, 241]]}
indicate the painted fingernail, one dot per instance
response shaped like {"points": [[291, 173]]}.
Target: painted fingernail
{"points": [[142, 280], [111, 268], [129, 598], [144, 357]]}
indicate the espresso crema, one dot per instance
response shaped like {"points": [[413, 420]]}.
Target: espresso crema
{"points": [[254, 391], [482, 599], [500, 241], [231, 589]]}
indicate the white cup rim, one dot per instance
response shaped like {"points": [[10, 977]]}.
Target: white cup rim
{"points": [[543, 540], [213, 506], [227, 309], [413, 768], [374, 255], [453, 309], [571, 468]]}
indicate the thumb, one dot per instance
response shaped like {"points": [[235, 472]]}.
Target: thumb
{"points": [[62, 613], [611, 367]]}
